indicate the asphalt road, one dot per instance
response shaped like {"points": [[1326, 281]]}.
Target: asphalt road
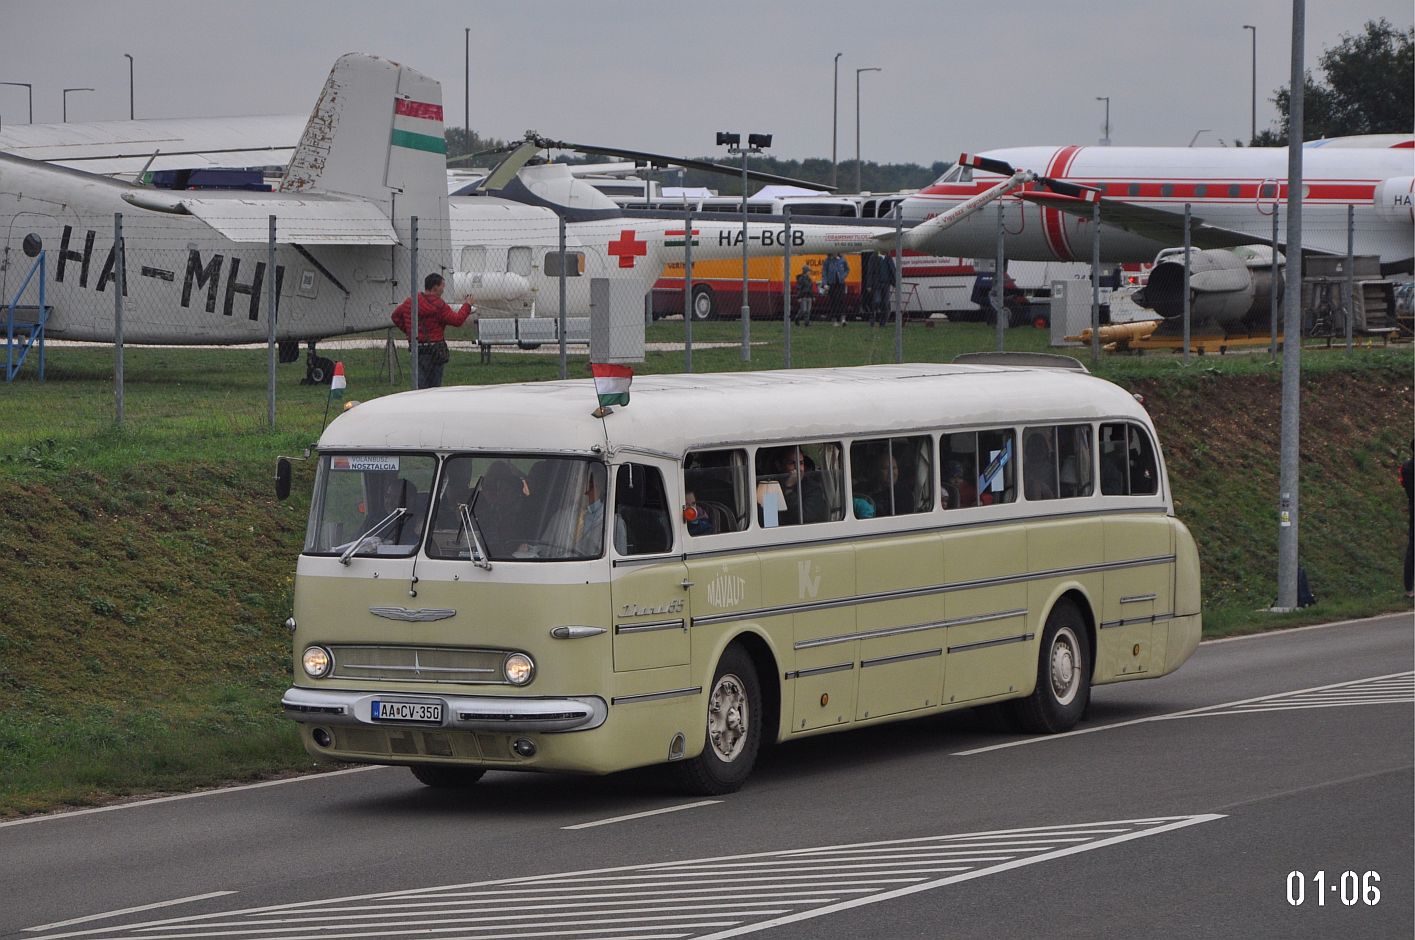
{"points": [[1180, 807]]}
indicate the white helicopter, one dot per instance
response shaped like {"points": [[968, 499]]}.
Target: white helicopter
{"points": [[372, 159]]}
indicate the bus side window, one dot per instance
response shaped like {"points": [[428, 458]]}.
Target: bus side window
{"points": [[891, 476], [715, 485], [997, 467], [800, 484], [1039, 463], [1144, 472], [1073, 451], [1114, 461], [1128, 466], [641, 523], [978, 468]]}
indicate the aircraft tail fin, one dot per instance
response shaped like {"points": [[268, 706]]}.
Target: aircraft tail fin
{"points": [[375, 133]]}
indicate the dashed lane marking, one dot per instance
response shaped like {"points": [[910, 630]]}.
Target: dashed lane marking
{"points": [[703, 899], [1396, 688]]}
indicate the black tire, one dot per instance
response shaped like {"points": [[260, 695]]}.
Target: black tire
{"points": [[1063, 675], [734, 705], [704, 303], [445, 777]]}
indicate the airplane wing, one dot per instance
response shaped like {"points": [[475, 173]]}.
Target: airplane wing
{"points": [[309, 219], [1158, 224], [126, 148]]}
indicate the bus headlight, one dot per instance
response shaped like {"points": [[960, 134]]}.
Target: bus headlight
{"points": [[317, 662], [519, 668]]}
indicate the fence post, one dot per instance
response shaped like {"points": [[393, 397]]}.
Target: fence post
{"points": [[1095, 282], [1350, 272], [786, 288], [1187, 262], [120, 286], [688, 290], [270, 314], [1272, 292], [413, 281], [564, 362], [998, 278], [899, 282]]}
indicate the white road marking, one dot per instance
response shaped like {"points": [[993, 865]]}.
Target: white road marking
{"points": [[130, 910], [1237, 708], [652, 812], [51, 817], [678, 899]]}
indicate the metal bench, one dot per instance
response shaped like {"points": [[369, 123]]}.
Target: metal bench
{"points": [[529, 333]]}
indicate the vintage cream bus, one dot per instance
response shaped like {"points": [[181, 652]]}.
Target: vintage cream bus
{"points": [[495, 578]]}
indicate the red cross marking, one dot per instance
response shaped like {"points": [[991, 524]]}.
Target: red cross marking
{"points": [[628, 247]]}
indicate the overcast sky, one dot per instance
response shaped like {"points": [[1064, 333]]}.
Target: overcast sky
{"points": [[665, 76]]}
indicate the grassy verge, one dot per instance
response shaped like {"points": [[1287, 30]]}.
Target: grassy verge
{"points": [[148, 568]]}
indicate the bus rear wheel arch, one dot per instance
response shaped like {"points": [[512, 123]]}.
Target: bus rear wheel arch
{"points": [[733, 710], [1064, 669]]}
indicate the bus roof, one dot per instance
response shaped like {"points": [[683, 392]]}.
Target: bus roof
{"points": [[672, 414]]}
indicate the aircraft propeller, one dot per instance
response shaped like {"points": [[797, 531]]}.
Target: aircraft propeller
{"points": [[1003, 168]]}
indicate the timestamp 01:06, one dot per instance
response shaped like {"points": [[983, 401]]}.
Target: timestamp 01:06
{"points": [[1351, 888]]}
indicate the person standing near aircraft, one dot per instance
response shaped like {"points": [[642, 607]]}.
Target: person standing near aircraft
{"points": [[434, 316], [833, 274], [805, 295]]}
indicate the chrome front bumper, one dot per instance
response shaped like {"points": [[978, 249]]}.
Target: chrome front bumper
{"points": [[459, 712]]}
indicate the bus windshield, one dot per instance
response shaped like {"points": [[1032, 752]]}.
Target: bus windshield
{"points": [[356, 503], [526, 508]]}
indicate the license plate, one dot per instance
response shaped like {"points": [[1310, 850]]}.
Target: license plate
{"points": [[425, 712]]}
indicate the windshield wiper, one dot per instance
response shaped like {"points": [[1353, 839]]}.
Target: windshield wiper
{"points": [[378, 527], [475, 546]]}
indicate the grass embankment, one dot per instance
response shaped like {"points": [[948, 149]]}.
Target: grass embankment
{"points": [[147, 570]]}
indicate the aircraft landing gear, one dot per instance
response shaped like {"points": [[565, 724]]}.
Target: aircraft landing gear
{"points": [[318, 370]]}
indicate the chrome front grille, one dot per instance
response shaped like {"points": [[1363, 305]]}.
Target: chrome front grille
{"points": [[418, 664]]}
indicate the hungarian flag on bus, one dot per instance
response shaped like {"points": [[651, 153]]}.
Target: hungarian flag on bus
{"points": [[337, 383], [611, 383]]}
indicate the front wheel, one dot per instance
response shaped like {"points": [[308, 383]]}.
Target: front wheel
{"points": [[734, 729], [1063, 675], [445, 777]]}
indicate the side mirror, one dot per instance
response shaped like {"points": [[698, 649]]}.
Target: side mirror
{"points": [[282, 478]]}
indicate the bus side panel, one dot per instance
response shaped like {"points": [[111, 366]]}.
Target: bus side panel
{"points": [[809, 576], [650, 616], [901, 671], [1065, 546], [1135, 595], [719, 589], [1186, 629], [988, 654]]}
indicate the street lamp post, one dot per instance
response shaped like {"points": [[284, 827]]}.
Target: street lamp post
{"points": [[28, 88], [66, 101], [858, 165], [467, 87], [1202, 130], [1254, 122], [835, 123], [756, 143], [131, 112], [1105, 141]]}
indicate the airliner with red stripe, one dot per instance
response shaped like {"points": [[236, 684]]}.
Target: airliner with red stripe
{"points": [[1231, 193]]}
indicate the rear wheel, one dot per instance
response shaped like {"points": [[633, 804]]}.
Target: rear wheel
{"points": [[734, 729], [446, 778], [704, 303], [1063, 675]]}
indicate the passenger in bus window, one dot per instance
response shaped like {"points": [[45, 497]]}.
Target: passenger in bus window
{"points": [[805, 497], [893, 495], [961, 492], [1039, 465]]}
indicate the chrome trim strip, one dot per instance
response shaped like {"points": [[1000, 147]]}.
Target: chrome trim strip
{"points": [[461, 712], [472, 670], [678, 624], [1020, 638], [930, 590], [1139, 598], [654, 696], [913, 628], [904, 657], [1154, 618], [820, 671], [422, 615]]}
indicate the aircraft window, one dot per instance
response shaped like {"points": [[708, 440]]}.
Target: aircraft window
{"points": [[800, 484], [1134, 189], [33, 245], [474, 258], [978, 468], [891, 476], [518, 260], [574, 266], [1234, 190], [1200, 191], [715, 488], [1267, 191], [1167, 189]]}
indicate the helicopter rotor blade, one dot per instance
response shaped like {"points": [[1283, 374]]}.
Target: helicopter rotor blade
{"points": [[663, 160]]}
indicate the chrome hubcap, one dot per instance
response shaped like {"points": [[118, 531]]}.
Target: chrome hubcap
{"points": [[728, 716], [1065, 671]]}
